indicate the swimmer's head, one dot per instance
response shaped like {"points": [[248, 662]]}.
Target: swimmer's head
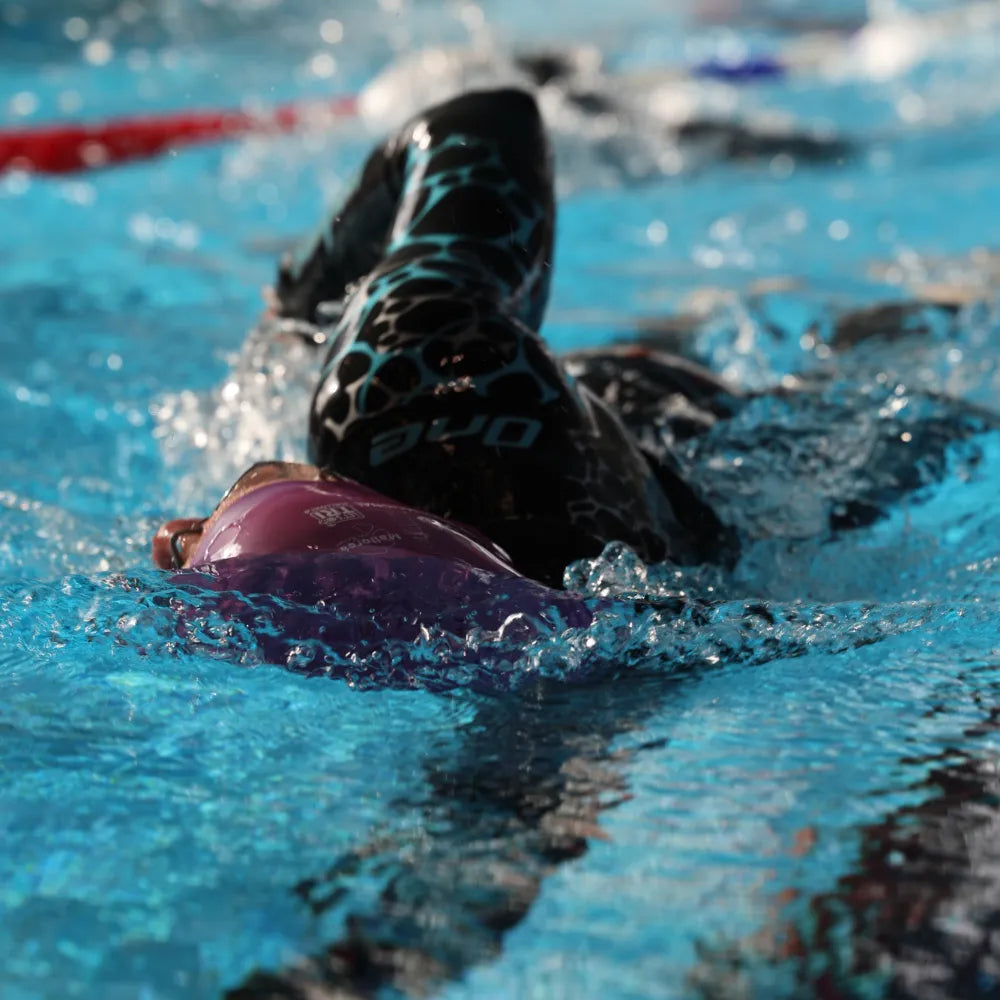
{"points": [[176, 541], [280, 507]]}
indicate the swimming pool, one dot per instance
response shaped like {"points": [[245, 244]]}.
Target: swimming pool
{"points": [[791, 793]]}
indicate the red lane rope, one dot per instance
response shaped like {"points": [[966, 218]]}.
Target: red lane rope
{"points": [[62, 149]]}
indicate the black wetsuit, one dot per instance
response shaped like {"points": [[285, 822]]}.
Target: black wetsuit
{"points": [[438, 389]]}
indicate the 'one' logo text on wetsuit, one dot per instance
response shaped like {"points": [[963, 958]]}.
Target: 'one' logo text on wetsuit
{"points": [[504, 431]]}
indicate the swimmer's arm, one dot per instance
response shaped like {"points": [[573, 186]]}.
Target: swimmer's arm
{"points": [[349, 243]]}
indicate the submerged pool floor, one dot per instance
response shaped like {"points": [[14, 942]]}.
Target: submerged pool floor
{"points": [[773, 780]]}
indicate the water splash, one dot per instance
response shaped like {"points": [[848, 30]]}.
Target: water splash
{"points": [[259, 412]]}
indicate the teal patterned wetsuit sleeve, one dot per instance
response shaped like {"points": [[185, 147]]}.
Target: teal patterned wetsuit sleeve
{"points": [[346, 246], [438, 389]]}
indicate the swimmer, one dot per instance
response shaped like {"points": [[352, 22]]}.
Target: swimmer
{"points": [[437, 389]]}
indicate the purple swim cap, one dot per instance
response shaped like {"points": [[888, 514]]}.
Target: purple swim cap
{"points": [[333, 578], [339, 516]]}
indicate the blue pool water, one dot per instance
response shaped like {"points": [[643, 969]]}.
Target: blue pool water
{"points": [[782, 783]]}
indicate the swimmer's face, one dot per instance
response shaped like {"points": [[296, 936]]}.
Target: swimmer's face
{"points": [[175, 542]]}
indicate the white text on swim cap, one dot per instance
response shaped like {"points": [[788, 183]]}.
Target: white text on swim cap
{"points": [[335, 513]]}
